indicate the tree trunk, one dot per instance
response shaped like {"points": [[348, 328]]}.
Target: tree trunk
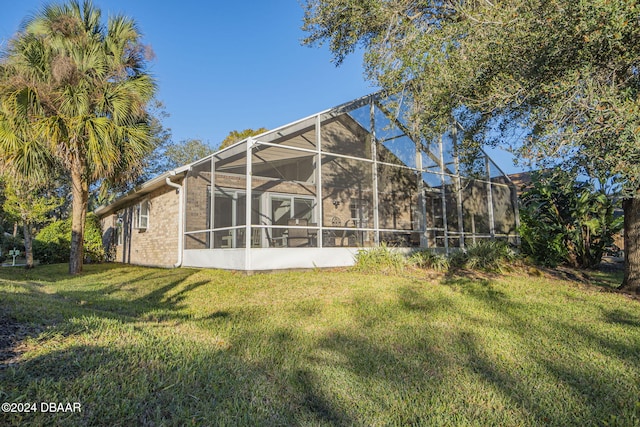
{"points": [[28, 245], [631, 282], [80, 194]]}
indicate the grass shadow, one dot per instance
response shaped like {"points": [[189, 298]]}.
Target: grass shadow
{"points": [[623, 318], [53, 272], [135, 384], [315, 401], [12, 333], [402, 354], [481, 289], [412, 299], [220, 314], [112, 294]]}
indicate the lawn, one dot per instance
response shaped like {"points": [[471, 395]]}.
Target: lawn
{"points": [[143, 346]]}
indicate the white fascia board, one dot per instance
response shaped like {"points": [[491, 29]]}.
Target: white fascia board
{"points": [[143, 189]]}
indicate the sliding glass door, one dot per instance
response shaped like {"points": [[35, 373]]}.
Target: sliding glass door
{"points": [[285, 208], [229, 213]]}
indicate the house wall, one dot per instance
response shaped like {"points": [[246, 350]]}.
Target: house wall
{"points": [[197, 206], [155, 246], [265, 259]]}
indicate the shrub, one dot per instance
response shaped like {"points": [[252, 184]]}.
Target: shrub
{"points": [[564, 220], [486, 255], [93, 246], [542, 242], [53, 243], [458, 259], [379, 259], [429, 259]]}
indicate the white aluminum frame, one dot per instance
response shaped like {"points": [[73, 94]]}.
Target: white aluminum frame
{"points": [[251, 258]]}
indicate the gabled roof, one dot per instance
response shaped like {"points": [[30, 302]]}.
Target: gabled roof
{"points": [[521, 180], [142, 190], [236, 153]]}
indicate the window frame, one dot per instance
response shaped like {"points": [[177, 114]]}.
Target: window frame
{"points": [[140, 217], [119, 231]]}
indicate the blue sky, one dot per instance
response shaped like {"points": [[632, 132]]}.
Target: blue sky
{"points": [[225, 65], [228, 65]]}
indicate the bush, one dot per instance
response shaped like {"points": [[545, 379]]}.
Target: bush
{"points": [[543, 243], [564, 220], [52, 244], [380, 259], [429, 259], [93, 247], [485, 255]]}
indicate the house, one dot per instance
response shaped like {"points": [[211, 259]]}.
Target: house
{"points": [[522, 180], [311, 194]]}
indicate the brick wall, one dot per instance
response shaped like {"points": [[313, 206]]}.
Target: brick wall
{"points": [[158, 244]]}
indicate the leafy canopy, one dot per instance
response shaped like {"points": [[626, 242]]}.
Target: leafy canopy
{"points": [[237, 136], [562, 76], [77, 89], [28, 201], [186, 152]]}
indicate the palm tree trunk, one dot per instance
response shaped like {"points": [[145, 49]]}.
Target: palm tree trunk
{"points": [[80, 194], [28, 245], [631, 281]]}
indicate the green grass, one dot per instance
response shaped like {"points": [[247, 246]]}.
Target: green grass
{"points": [[142, 346]]}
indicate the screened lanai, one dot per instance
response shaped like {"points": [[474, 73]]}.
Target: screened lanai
{"points": [[312, 193]]}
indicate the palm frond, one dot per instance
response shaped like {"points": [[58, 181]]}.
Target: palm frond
{"points": [[81, 87]]}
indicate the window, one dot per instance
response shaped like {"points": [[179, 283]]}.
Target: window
{"points": [[230, 211], [359, 209], [141, 215], [119, 232], [284, 208]]}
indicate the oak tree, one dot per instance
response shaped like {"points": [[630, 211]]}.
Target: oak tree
{"points": [[561, 75]]}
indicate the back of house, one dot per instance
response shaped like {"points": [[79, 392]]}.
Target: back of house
{"points": [[311, 194]]}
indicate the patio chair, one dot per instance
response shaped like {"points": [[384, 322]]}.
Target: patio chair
{"points": [[348, 235], [298, 237]]}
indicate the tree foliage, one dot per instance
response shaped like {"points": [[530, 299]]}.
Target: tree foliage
{"points": [[29, 202], [154, 162], [53, 244], [562, 72], [170, 155], [185, 152], [561, 75], [76, 90], [237, 136]]}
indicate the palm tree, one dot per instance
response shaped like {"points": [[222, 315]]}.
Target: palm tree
{"points": [[82, 90]]}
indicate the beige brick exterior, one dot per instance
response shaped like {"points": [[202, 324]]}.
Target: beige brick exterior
{"points": [[158, 244]]}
